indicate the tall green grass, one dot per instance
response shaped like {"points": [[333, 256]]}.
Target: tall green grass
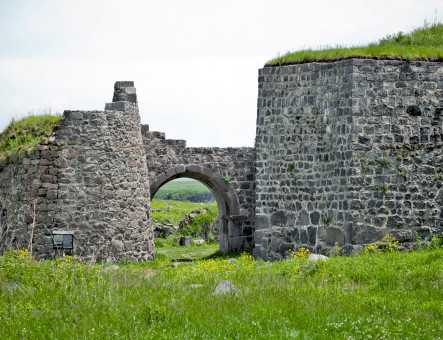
{"points": [[172, 212], [20, 137], [379, 296], [423, 42]]}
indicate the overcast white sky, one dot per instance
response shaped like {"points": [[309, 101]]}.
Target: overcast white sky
{"points": [[194, 62]]}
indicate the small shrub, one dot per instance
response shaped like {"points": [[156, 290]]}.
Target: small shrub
{"points": [[437, 242], [385, 162], [403, 174], [387, 244], [336, 251], [381, 186], [439, 176], [301, 253], [160, 242], [290, 167], [363, 163]]}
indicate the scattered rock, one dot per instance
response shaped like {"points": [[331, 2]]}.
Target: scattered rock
{"points": [[186, 241], [183, 240], [225, 287], [317, 257], [265, 266], [232, 260], [198, 242], [196, 286], [163, 231]]}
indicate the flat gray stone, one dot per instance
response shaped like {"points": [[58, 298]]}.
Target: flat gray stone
{"points": [[225, 287], [317, 257], [196, 285]]}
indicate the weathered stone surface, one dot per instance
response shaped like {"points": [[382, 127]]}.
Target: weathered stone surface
{"points": [[317, 257], [70, 189], [345, 153], [183, 240], [347, 150], [335, 236], [225, 287]]}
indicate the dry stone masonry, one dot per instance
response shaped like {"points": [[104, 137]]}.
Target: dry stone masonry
{"points": [[345, 152]]}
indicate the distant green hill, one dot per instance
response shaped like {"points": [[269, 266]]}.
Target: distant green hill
{"points": [[422, 43], [168, 211], [185, 190]]}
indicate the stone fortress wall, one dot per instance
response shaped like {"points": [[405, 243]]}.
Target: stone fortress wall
{"points": [[347, 152], [227, 172], [90, 181]]}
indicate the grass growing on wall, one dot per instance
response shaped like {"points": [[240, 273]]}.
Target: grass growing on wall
{"points": [[423, 42], [23, 135], [387, 295]]}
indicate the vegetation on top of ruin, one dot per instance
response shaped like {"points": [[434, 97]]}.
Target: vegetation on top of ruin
{"points": [[21, 136], [424, 43]]}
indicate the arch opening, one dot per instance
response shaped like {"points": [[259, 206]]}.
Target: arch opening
{"points": [[226, 202]]}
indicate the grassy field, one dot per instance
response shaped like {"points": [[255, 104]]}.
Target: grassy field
{"points": [[185, 189], [21, 136], [172, 212], [424, 42], [376, 295], [192, 253]]}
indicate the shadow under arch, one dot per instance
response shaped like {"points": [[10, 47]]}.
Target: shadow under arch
{"points": [[227, 202]]}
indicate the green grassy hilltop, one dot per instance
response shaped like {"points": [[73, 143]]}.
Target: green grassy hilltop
{"points": [[185, 189], [424, 42], [23, 135]]}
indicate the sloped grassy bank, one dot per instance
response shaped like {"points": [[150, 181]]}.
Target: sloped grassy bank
{"points": [[424, 43], [20, 137], [380, 295]]}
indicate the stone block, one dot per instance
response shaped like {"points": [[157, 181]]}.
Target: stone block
{"points": [[236, 244], [278, 219], [261, 221], [303, 218], [335, 235], [117, 245]]}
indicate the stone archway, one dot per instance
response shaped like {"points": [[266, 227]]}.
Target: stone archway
{"points": [[227, 201]]}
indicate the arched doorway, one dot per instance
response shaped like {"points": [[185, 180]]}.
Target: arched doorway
{"points": [[227, 202]]}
